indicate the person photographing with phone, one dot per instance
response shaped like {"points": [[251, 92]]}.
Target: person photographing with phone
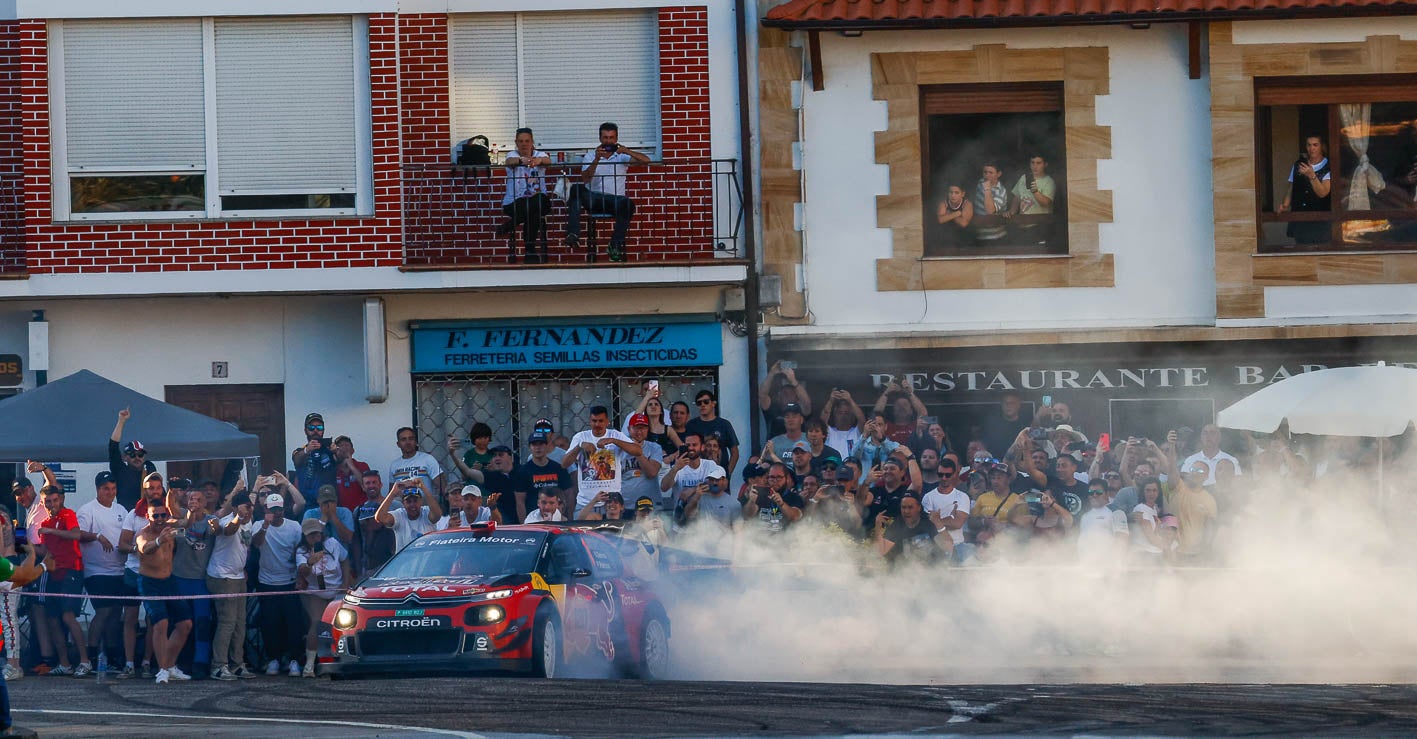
{"points": [[1309, 192], [315, 463], [776, 507], [1033, 196], [602, 189], [418, 515]]}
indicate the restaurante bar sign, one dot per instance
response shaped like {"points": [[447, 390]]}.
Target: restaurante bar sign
{"points": [[1237, 375]]}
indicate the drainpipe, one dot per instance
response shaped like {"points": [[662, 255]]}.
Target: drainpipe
{"points": [[747, 145]]}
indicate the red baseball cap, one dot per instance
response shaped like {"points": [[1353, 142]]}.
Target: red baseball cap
{"points": [[639, 419]]}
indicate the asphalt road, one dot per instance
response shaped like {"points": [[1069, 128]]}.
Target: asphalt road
{"points": [[422, 707]]}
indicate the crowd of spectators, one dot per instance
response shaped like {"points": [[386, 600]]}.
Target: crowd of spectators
{"points": [[1019, 489]]}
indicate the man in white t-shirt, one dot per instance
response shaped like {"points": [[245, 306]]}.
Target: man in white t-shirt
{"points": [[226, 573], [548, 508], [1103, 533], [598, 453], [1210, 453], [602, 190], [690, 470], [526, 201], [470, 509], [281, 615], [947, 506], [102, 519], [413, 462], [413, 519]]}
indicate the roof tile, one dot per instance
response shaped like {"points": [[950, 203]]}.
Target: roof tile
{"points": [[1021, 12]]}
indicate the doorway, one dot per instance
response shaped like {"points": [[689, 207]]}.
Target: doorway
{"points": [[255, 409]]}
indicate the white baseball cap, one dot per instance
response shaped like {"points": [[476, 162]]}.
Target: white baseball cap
{"points": [[275, 501], [472, 490]]}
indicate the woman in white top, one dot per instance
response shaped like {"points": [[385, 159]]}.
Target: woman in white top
{"points": [[1146, 517], [322, 571]]}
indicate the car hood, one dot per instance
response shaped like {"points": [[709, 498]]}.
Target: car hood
{"points": [[433, 588]]}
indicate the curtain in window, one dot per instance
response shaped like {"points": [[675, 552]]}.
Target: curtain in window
{"points": [[1356, 118]]}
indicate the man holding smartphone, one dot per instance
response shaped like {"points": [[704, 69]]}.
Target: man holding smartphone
{"points": [[315, 463], [602, 189]]}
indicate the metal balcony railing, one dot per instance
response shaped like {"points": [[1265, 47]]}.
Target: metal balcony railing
{"points": [[686, 211]]}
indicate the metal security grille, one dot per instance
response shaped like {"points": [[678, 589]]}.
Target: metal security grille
{"points": [[448, 405]]}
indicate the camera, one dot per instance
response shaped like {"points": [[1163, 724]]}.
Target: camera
{"points": [[1038, 433], [683, 448], [787, 364], [1035, 503]]}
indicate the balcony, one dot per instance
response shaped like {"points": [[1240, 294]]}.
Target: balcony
{"points": [[687, 212], [12, 228]]}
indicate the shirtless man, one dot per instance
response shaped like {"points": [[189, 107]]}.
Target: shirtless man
{"points": [[155, 543]]}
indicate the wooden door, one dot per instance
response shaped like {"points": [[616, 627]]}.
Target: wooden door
{"points": [[255, 409]]}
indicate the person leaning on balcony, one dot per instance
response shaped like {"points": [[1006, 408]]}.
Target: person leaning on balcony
{"points": [[526, 201], [1309, 188], [602, 189]]}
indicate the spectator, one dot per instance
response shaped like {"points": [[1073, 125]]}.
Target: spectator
{"points": [[1309, 190], [548, 508], [376, 541], [710, 424], [954, 214], [874, 448], [679, 415], [817, 441], [338, 522], [780, 390], [602, 189], [999, 499], [128, 466], [931, 435], [480, 455], [1046, 522], [280, 613], [10, 591], [712, 500], [413, 519], [800, 462], [782, 444], [689, 473], [348, 473], [101, 521], [1195, 509], [1147, 542], [991, 198], [929, 470], [640, 473], [1065, 485], [277, 484], [526, 201], [60, 534], [808, 486], [537, 474], [844, 421], [1102, 532], [652, 409], [1001, 430], [165, 611], [191, 553], [604, 507], [834, 508], [599, 466], [1210, 453], [497, 482], [1033, 196], [413, 462], [778, 507], [887, 486], [911, 537], [322, 570], [226, 574], [153, 493], [315, 463], [472, 511], [947, 506], [905, 409], [1127, 497], [645, 533]]}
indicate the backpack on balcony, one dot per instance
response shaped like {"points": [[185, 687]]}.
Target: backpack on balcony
{"points": [[474, 152]]}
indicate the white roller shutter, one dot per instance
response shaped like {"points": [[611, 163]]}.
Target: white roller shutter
{"points": [[585, 68], [133, 95], [285, 90], [484, 76]]}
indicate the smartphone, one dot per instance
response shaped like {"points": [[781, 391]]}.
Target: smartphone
{"points": [[1048, 400], [652, 387], [930, 419], [787, 364], [1104, 442]]}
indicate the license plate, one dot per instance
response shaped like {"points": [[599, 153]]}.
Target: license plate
{"points": [[409, 612]]}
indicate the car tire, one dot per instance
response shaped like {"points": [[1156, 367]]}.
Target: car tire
{"points": [[546, 647], [654, 648]]}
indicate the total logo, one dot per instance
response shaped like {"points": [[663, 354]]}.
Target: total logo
{"points": [[406, 623]]}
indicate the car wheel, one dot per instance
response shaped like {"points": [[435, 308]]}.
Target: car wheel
{"points": [[654, 649], [546, 649]]}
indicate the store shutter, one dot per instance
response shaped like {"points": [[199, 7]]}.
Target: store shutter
{"points": [[585, 68], [285, 92], [484, 77], [133, 95]]}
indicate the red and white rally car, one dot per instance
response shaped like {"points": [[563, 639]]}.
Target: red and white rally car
{"points": [[534, 598]]}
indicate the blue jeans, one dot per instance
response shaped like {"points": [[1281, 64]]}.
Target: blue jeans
{"points": [[620, 206], [201, 619]]}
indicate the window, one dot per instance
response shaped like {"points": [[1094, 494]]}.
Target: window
{"points": [[1337, 163], [210, 118], [560, 74], [995, 169]]}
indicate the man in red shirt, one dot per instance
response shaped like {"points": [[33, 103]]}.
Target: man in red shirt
{"points": [[60, 535], [348, 475]]}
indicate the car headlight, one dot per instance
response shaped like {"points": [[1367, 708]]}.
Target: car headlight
{"points": [[346, 618], [495, 594], [485, 615]]}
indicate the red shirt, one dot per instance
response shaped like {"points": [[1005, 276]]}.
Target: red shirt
{"points": [[351, 493], [65, 551], [899, 432]]}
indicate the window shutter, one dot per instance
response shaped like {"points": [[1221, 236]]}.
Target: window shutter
{"points": [[285, 105], [484, 72], [133, 95], [585, 68]]}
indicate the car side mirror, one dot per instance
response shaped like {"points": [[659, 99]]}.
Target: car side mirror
{"points": [[580, 572]]}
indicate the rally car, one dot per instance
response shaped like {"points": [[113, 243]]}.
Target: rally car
{"points": [[537, 598]]}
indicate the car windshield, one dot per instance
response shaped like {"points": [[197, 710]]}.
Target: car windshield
{"points": [[466, 555]]}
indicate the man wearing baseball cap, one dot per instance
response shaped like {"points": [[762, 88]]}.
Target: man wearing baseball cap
{"points": [[338, 521], [539, 473], [418, 515], [102, 519], [640, 475], [281, 617], [315, 463], [473, 509], [783, 444], [128, 464]]}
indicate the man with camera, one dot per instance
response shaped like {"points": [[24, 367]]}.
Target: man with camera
{"points": [[780, 390], [888, 484], [315, 463], [1193, 504], [602, 189], [639, 474], [911, 537], [690, 473], [282, 619], [776, 507], [418, 515]]}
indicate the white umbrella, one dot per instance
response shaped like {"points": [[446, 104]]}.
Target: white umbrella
{"points": [[1374, 400]]}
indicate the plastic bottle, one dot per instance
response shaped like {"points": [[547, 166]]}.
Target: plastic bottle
{"points": [[102, 666]]}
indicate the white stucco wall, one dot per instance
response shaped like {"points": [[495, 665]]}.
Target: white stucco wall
{"points": [[1162, 236]]}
